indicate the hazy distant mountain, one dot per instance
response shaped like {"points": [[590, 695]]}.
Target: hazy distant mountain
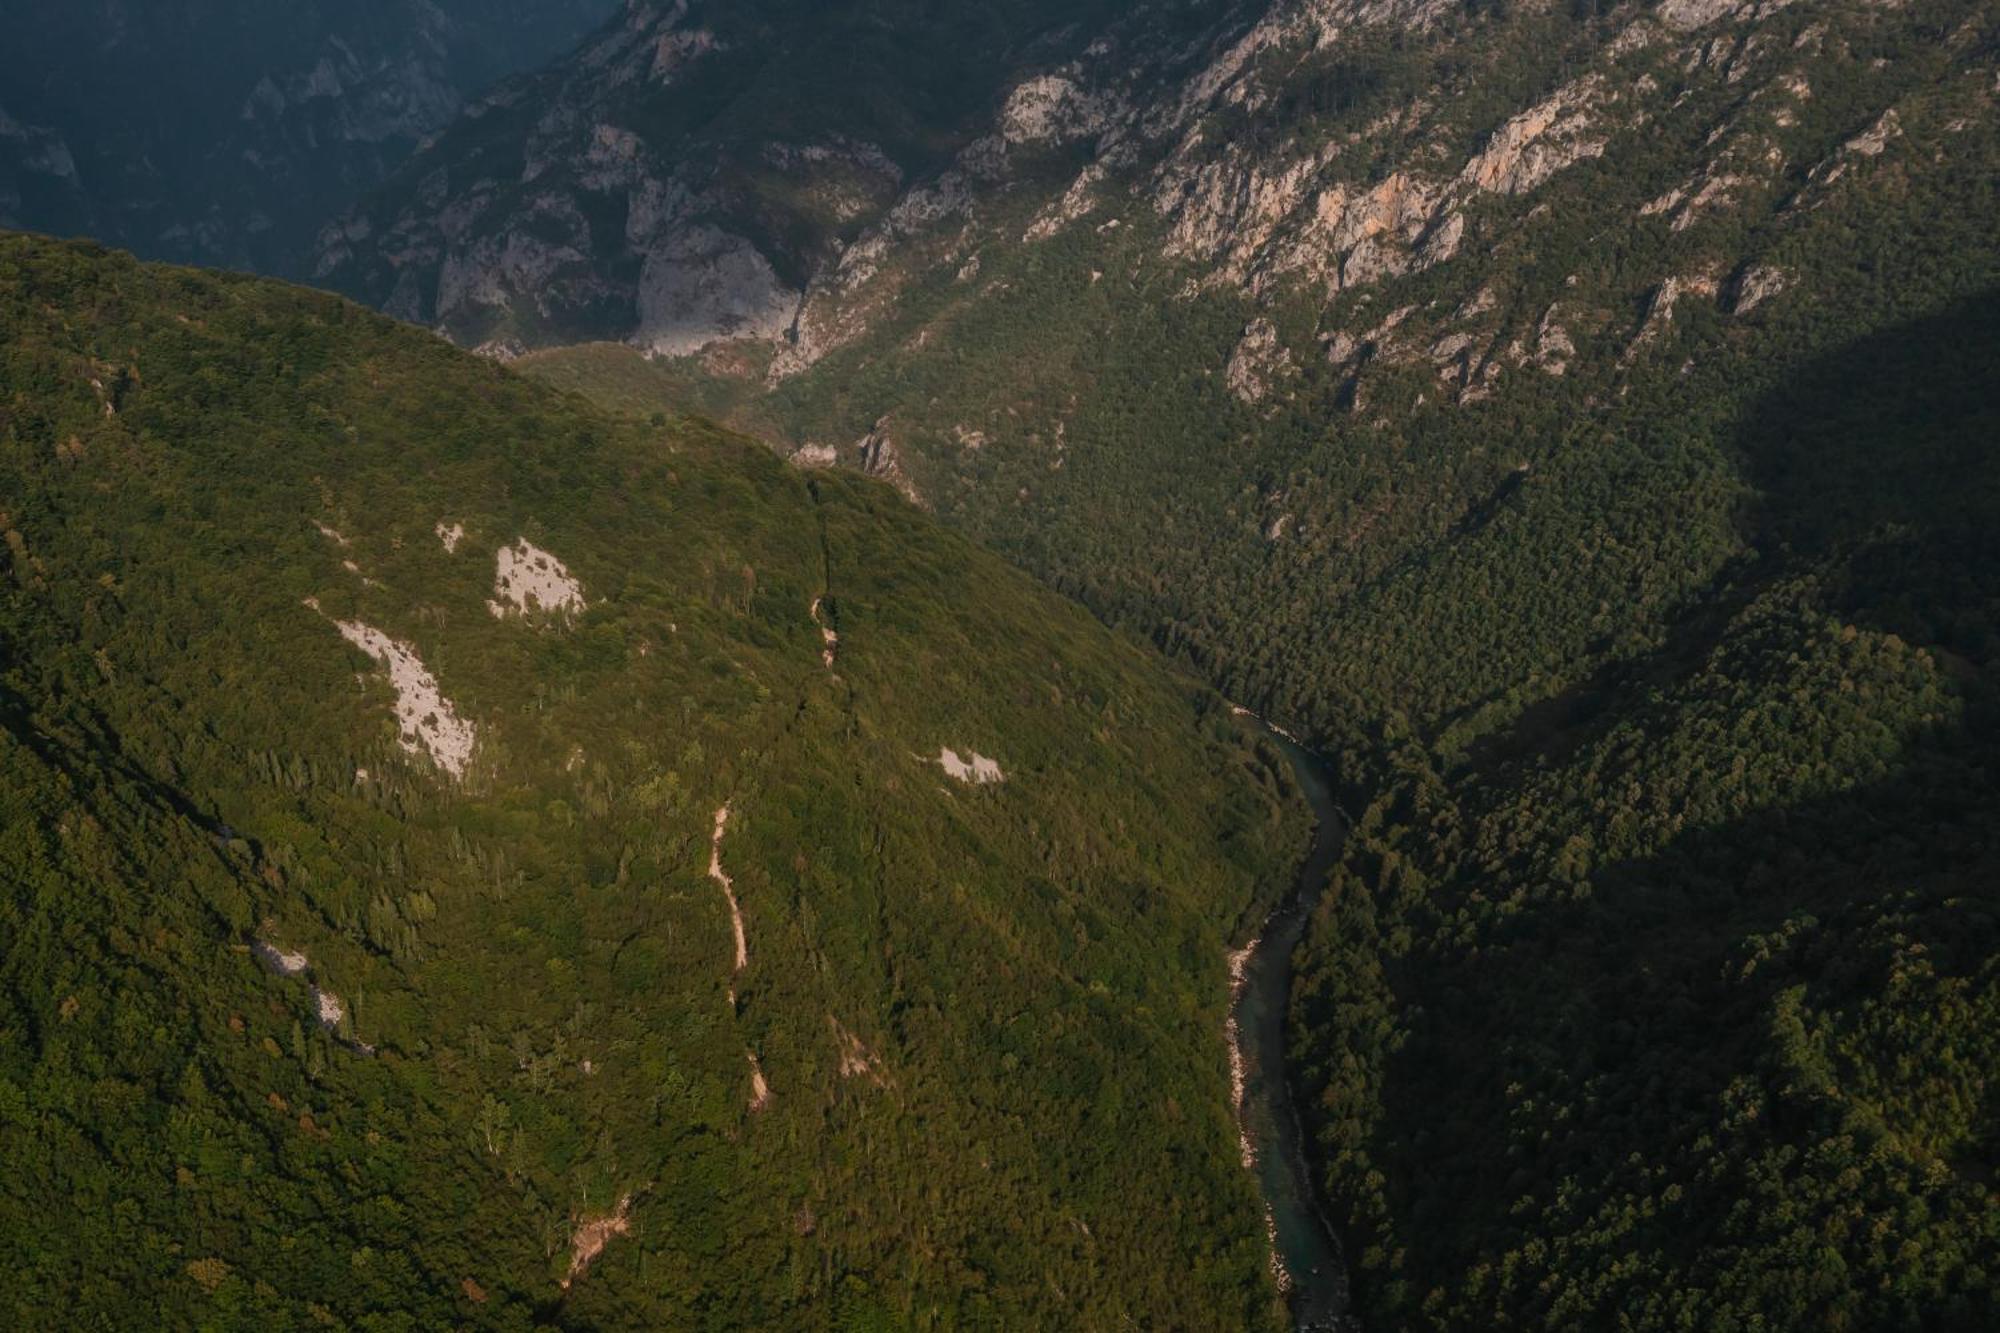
{"points": [[224, 133]]}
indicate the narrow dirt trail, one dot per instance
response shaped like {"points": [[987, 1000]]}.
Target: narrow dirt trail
{"points": [[760, 1090], [760, 1087], [720, 876], [827, 635]]}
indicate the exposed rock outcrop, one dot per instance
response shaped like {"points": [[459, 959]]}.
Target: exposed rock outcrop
{"points": [[1052, 109], [428, 722], [1259, 361], [591, 1233], [856, 1060], [1538, 143], [880, 458], [328, 1008], [703, 285], [976, 769], [527, 579], [1755, 285]]}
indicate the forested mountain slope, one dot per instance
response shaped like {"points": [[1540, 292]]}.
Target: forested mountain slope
{"points": [[227, 133], [1677, 1003], [1576, 417], [472, 862]]}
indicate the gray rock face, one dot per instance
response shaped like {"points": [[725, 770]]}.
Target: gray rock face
{"points": [[1259, 361], [1756, 285], [1052, 109], [724, 206], [879, 457], [663, 187], [704, 286], [740, 222]]}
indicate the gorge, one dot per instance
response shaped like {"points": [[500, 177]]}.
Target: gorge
{"points": [[1310, 1269], [711, 656]]}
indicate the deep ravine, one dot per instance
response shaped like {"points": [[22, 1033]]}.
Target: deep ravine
{"points": [[1305, 1251]]}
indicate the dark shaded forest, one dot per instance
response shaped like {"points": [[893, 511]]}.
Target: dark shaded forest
{"points": [[1683, 1010]]}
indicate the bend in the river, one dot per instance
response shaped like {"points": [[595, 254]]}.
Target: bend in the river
{"points": [[1307, 1253]]}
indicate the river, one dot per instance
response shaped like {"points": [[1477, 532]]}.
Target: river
{"points": [[1307, 1252]]}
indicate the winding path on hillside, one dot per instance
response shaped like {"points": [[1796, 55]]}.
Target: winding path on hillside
{"points": [[721, 876]]}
